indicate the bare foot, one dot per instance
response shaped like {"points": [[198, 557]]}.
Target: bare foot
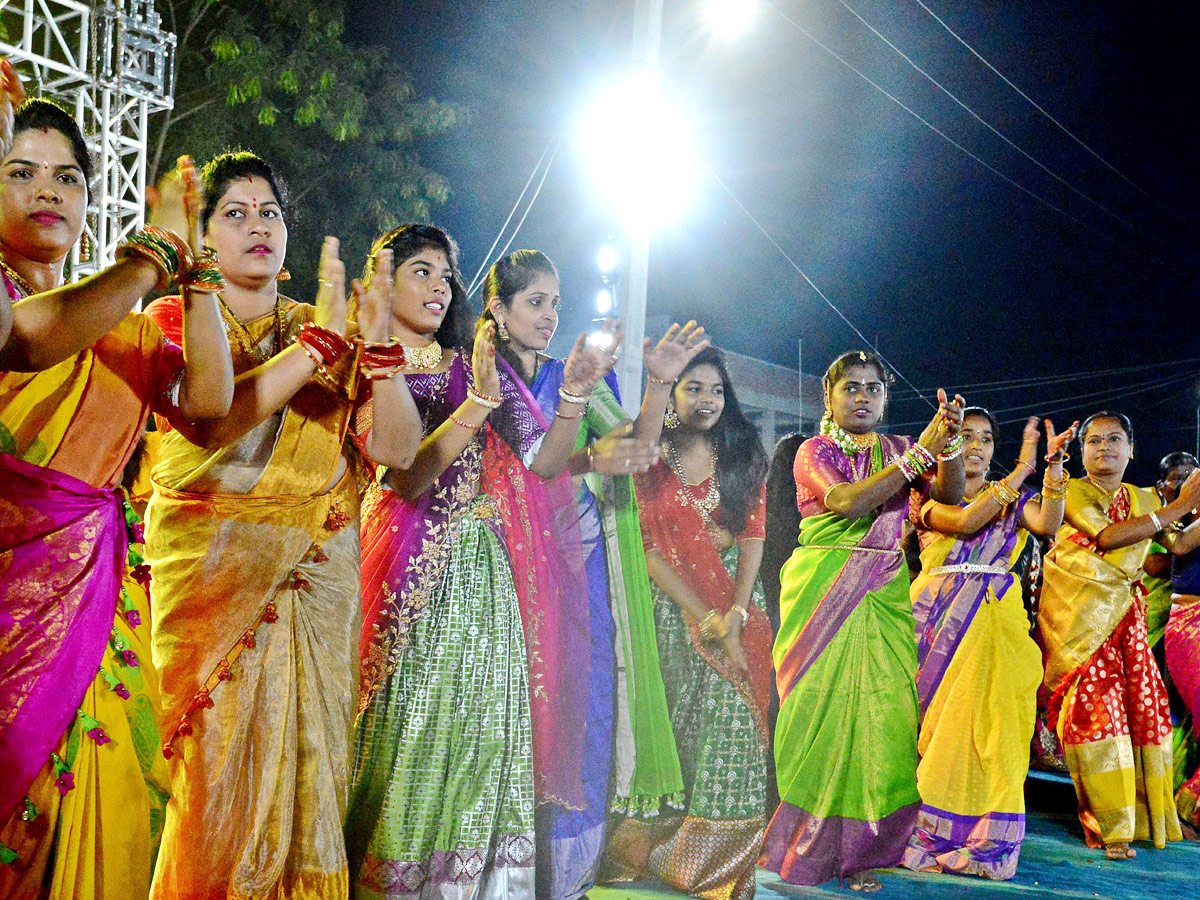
{"points": [[863, 882], [1119, 850], [935, 869]]}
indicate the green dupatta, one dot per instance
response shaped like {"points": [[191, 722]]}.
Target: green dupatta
{"points": [[646, 770]]}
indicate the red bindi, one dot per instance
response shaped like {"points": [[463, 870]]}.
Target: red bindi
{"points": [[254, 202]]}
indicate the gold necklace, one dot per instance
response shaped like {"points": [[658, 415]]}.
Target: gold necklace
{"points": [[241, 334], [422, 359], [707, 504], [20, 283]]}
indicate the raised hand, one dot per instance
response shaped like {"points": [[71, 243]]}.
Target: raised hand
{"points": [[938, 432], [1189, 492], [1029, 442], [483, 361], [375, 302], [619, 453], [175, 203], [12, 95], [592, 357], [1056, 444], [331, 289], [667, 359], [952, 410]]}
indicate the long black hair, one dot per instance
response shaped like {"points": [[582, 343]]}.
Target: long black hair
{"points": [[741, 461], [405, 242], [38, 112], [508, 276], [233, 165]]}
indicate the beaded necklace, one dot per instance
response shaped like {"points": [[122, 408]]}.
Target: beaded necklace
{"points": [[707, 504], [851, 444], [241, 334]]}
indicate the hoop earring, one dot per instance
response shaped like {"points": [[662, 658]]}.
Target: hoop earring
{"points": [[671, 419], [502, 329], [283, 275]]}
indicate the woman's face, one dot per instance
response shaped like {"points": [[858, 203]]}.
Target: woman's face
{"points": [[421, 294], [533, 316], [43, 197], [857, 398], [1169, 487], [1106, 448], [248, 232], [699, 397], [979, 447]]}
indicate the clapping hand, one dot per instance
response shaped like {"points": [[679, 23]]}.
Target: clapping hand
{"points": [[331, 289], [667, 359], [592, 357]]}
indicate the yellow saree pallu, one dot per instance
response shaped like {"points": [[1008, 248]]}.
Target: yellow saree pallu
{"points": [[255, 565], [1107, 696], [78, 696]]}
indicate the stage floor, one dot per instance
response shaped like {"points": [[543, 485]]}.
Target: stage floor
{"points": [[1054, 863]]}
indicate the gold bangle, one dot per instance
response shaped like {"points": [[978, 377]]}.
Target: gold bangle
{"points": [[1003, 494], [484, 400], [654, 380], [559, 415]]}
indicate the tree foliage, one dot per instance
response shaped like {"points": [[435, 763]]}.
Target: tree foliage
{"points": [[339, 123]]}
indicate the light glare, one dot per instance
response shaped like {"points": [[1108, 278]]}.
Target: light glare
{"points": [[606, 259], [729, 18], [638, 147], [604, 302]]}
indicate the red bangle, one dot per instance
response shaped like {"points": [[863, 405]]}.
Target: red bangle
{"points": [[329, 345], [457, 421], [381, 356]]}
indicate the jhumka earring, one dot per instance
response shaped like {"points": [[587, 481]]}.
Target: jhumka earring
{"points": [[283, 275], [502, 329], [671, 419], [85, 247]]}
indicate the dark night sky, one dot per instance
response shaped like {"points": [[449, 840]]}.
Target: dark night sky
{"points": [[963, 278]]}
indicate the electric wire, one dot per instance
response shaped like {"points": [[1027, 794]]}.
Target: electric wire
{"points": [[988, 125], [1063, 128], [474, 285], [1033, 195], [1039, 381], [791, 262]]}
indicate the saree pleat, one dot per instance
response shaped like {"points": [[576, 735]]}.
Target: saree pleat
{"points": [[972, 632], [570, 840], [81, 781], [255, 561], [845, 739], [1108, 701], [1183, 659]]}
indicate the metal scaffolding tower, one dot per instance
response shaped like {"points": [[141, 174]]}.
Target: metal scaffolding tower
{"points": [[114, 65]]}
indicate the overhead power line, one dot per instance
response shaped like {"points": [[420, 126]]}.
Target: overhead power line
{"points": [[987, 124], [1005, 178], [1061, 127]]}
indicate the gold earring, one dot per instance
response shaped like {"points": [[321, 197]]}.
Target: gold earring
{"points": [[85, 247], [671, 419], [502, 329], [283, 275]]}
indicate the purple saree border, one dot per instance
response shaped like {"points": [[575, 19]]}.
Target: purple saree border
{"points": [[988, 845], [805, 848]]}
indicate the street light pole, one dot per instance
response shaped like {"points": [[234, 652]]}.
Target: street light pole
{"points": [[647, 41]]}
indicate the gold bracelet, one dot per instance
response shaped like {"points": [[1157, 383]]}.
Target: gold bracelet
{"points": [[654, 380], [559, 415], [1003, 494]]}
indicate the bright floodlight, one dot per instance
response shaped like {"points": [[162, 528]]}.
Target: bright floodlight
{"points": [[638, 147], [729, 18], [606, 259], [604, 302]]}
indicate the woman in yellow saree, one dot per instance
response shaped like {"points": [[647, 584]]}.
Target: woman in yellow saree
{"points": [[252, 536], [1108, 701], [81, 787]]}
